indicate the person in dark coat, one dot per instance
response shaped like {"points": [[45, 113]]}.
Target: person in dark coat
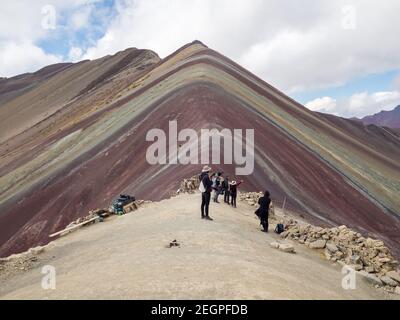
{"points": [[206, 194], [233, 191], [225, 189], [263, 211]]}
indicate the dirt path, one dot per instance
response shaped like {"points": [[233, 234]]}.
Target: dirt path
{"points": [[228, 258]]}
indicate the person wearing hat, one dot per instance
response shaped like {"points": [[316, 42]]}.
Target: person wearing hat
{"points": [[205, 188], [233, 191]]}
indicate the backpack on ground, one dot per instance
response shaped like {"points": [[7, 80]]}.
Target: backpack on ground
{"points": [[279, 228]]}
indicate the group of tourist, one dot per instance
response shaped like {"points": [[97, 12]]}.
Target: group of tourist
{"points": [[216, 184]]}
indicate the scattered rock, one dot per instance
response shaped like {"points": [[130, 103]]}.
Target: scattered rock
{"points": [[274, 245], [286, 248], [389, 281], [393, 275], [332, 247], [318, 244], [369, 269], [284, 234], [37, 250], [357, 267], [328, 255], [190, 185], [174, 243], [347, 247], [397, 290], [371, 278]]}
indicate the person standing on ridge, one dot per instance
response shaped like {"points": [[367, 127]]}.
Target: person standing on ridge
{"points": [[263, 211], [205, 188], [216, 186], [225, 189], [233, 191]]}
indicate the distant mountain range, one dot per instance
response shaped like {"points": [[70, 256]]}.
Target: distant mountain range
{"points": [[389, 119]]}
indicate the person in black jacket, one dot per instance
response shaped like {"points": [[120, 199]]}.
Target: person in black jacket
{"points": [[263, 211], [206, 195], [233, 191], [225, 189]]}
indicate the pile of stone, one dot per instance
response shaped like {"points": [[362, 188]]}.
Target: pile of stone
{"points": [[97, 215], [190, 185], [371, 258], [103, 213], [92, 215], [134, 205], [251, 198], [20, 262]]}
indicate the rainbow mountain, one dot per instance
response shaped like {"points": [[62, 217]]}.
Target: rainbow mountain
{"points": [[72, 138]]}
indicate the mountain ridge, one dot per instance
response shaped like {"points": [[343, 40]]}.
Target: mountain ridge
{"points": [[321, 164], [384, 118]]}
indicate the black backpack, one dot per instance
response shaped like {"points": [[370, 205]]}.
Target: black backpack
{"points": [[279, 228]]}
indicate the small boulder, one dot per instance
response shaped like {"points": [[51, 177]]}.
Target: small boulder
{"points": [[284, 234], [388, 281], [371, 278], [332, 247], [174, 243], [36, 250], [286, 248], [318, 244], [393, 275], [384, 260], [328, 255], [274, 245], [339, 254], [397, 290], [357, 267], [369, 269]]}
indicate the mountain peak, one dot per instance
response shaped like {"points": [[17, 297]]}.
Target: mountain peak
{"points": [[384, 118]]}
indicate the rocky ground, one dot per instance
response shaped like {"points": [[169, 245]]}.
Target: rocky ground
{"points": [[369, 257], [164, 250]]}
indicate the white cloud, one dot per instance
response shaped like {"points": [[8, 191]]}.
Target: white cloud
{"points": [[75, 54], [358, 101], [310, 47], [81, 18], [325, 104], [357, 105], [20, 58], [296, 48], [21, 29]]}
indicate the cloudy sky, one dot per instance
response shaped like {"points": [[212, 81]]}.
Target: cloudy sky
{"points": [[335, 56]]}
